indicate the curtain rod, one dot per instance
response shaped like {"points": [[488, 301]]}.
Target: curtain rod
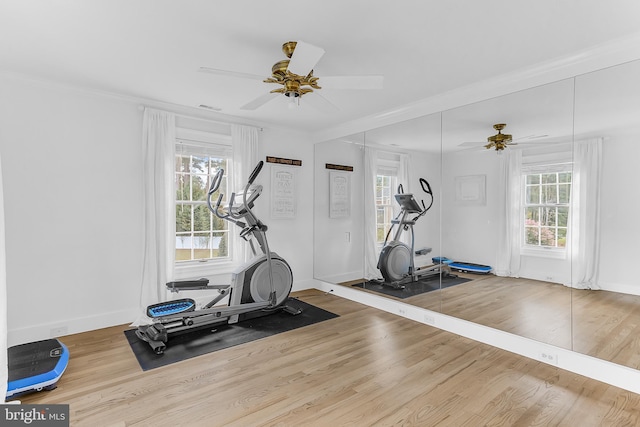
{"points": [[186, 116]]}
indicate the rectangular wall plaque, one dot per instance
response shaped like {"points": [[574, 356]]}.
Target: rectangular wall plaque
{"points": [[339, 167], [281, 161]]}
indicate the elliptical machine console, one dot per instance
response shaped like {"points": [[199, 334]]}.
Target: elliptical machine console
{"points": [[259, 287]]}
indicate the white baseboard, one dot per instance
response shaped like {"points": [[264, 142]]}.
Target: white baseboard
{"points": [[601, 370], [44, 331], [301, 285], [621, 288]]}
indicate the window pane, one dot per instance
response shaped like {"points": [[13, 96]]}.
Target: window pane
{"points": [[199, 187], [562, 237], [183, 187], [564, 192], [533, 195], [219, 224], [547, 236], [549, 178], [533, 179], [531, 235], [380, 215], [548, 216], [182, 163], [201, 218], [532, 215], [183, 218], [220, 244], [563, 217], [549, 194], [199, 164], [564, 177]]}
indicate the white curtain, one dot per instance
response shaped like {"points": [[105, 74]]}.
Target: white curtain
{"points": [[4, 376], [370, 245], [158, 151], [245, 157], [508, 262], [585, 214]]}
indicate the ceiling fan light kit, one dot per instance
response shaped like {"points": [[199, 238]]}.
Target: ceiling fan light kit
{"points": [[292, 83], [500, 140]]}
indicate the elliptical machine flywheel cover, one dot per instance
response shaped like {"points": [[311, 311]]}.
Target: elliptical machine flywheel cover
{"points": [[395, 260], [282, 281]]}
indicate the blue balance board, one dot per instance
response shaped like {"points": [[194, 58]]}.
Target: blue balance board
{"points": [[36, 366], [466, 267]]}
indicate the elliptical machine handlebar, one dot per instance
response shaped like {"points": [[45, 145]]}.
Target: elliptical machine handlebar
{"points": [[215, 185], [255, 173], [424, 183]]}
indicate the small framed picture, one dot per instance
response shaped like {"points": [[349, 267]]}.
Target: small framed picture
{"points": [[471, 190]]}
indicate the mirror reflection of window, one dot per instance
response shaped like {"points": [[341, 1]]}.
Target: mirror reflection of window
{"points": [[546, 207], [386, 185]]}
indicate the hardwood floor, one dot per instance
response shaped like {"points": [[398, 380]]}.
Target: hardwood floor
{"points": [[364, 368], [602, 324]]}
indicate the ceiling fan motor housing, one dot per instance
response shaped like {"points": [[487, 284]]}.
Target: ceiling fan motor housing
{"points": [[499, 140]]}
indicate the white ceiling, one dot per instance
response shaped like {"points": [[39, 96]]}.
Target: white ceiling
{"points": [[152, 49]]}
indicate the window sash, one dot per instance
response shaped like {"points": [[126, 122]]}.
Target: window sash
{"points": [[546, 206], [199, 235]]}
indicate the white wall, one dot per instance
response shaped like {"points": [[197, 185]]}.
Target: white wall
{"points": [[72, 185], [71, 162], [291, 238]]}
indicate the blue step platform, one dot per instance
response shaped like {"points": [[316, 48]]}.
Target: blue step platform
{"points": [[36, 366], [465, 267]]}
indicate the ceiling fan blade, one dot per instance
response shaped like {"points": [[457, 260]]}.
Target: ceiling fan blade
{"points": [[230, 73], [259, 101], [305, 57], [320, 102], [352, 82], [472, 144]]}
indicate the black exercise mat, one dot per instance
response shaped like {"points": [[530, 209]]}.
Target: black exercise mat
{"points": [[203, 341], [413, 288]]}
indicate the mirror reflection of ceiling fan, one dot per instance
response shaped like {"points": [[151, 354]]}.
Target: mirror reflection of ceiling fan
{"points": [[500, 141], [295, 76]]}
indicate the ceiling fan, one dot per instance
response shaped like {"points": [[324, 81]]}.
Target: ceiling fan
{"points": [[295, 76], [500, 141]]}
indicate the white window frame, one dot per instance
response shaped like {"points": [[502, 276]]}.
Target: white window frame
{"points": [[217, 145], [537, 169]]}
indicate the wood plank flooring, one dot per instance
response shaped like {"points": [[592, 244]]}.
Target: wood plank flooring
{"points": [[365, 368], [602, 324]]}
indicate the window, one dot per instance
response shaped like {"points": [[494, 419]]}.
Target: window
{"points": [[546, 207], [200, 235], [385, 189]]}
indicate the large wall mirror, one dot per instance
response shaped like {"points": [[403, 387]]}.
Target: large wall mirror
{"points": [[506, 207], [338, 209], [554, 215], [606, 321]]}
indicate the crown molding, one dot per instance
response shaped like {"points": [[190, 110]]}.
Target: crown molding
{"points": [[615, 52]]}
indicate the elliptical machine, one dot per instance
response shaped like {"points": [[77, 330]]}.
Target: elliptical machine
{"points": [[396, 261], [259, 287]]}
